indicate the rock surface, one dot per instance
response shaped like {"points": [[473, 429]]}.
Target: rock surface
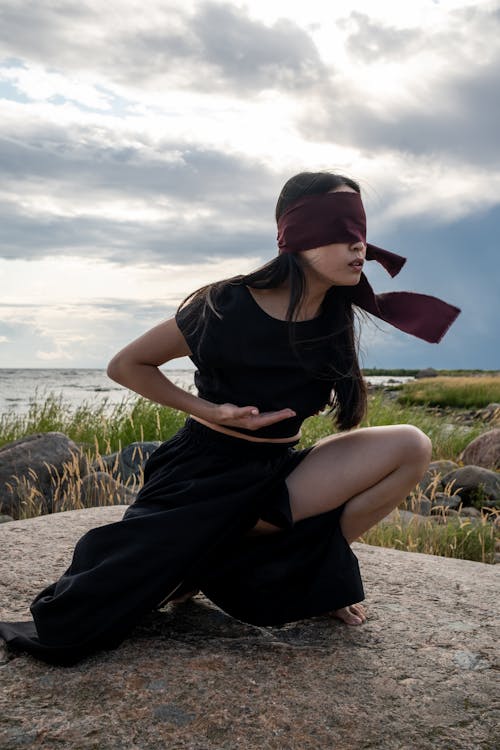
{"points": [[419, 674], [484, 450]]}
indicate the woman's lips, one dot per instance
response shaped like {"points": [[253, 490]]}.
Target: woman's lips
{"points": [[357, 265]]}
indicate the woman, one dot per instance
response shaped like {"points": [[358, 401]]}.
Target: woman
{"points": [[229, 506]]}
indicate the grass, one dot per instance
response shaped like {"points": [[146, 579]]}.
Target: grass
{"points": [[448, 437], [101, 428], [456, 392], [457, 537]]}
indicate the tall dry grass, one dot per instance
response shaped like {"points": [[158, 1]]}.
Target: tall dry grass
{"points": [[100, 429], [455, 392]]}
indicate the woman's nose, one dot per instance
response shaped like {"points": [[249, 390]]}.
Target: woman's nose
{"points": [[358, 246]]}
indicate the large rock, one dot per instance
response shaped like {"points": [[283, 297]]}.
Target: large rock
{"points": [[99, 488], [419, 674], [484, 450], [126, 465], [431, 481], [33, 467], [475, 485]]}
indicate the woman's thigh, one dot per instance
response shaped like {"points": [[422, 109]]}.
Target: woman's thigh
{"points": [[342, 466]]}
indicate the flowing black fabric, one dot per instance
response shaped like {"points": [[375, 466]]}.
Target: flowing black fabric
{"points": [[203, 491]]}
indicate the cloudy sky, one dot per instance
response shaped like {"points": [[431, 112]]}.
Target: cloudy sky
{"points": [[143, 144]]}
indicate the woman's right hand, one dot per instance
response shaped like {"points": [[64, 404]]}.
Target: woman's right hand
{"points": [[248, 417]]}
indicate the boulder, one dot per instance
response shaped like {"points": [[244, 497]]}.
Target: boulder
{"points": [[475, 485], [419, 504], [484, 450], [403, 517], [436, 470], [99, 488], [33, 468], [470, 512], [441, 500], [126, 465], [192, 678], [491, 413]]}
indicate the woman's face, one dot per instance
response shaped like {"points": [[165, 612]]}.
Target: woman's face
{"points": [[337, 264]]}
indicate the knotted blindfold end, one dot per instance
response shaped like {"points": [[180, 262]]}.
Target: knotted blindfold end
{"points": [[318, 220]]}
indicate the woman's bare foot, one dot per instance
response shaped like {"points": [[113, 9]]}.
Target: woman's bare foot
{"points": [[354, 614]]}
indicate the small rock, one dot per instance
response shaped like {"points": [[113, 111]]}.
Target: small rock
{"points": [[470, 512], [5, 519], [475, 485], [484, 450], [437, 510], [442, 500], [420, 505], [403, 517]]}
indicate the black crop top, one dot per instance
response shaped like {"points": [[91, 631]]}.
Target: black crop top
{"points": [[245, 358]]}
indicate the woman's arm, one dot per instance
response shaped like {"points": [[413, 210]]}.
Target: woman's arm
{"points": [[136, 367]]}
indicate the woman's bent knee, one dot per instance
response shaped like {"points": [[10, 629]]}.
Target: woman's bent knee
{"points": [[416, 445]]}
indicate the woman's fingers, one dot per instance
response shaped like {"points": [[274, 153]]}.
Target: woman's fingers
{"points": [[249, 416], [270, 417]]}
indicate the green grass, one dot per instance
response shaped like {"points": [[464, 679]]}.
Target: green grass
{"points": [[101, 428], [460, 538], [455, 392], [448, 436]]}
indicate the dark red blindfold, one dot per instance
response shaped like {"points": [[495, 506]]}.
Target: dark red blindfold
{"points": [[318, 220]]}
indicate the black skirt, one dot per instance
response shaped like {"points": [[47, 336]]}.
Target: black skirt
{"points": [[188, 528]]}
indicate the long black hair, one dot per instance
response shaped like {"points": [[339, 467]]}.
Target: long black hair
{"points": [[348, 387]]}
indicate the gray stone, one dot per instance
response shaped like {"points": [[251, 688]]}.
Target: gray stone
{"points": [[484, 450], [34, 466], [99, 488], [470, 512], [446, 501], [431, 481], [403, 517], [419, 504], [126, 465], [475, 485], [192, 678], [5, 518]]}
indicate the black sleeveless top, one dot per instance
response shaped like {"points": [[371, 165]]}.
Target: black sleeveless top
{"points": [[244, 357]]}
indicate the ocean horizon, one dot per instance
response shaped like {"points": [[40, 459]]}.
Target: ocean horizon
{"points": [[20, 387]]}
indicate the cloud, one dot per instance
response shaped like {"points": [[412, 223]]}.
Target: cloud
{"points": [[216, 46], [446, 103], [85, 334]]}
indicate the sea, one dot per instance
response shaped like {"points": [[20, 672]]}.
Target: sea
{"points": [[76, 387]]}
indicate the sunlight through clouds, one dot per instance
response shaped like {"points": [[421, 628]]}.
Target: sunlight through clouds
{"points": [[142, 153]]}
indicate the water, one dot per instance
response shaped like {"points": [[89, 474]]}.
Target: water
{"points": [[20, 386]]}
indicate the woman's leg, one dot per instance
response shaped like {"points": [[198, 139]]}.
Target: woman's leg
{"points": [[371, 470]]}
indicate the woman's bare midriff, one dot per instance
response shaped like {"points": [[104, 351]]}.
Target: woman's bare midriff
{"points": [[234, 433]]}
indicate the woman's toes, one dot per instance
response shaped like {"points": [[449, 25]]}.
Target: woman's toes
{"points": [[352, 615]]}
